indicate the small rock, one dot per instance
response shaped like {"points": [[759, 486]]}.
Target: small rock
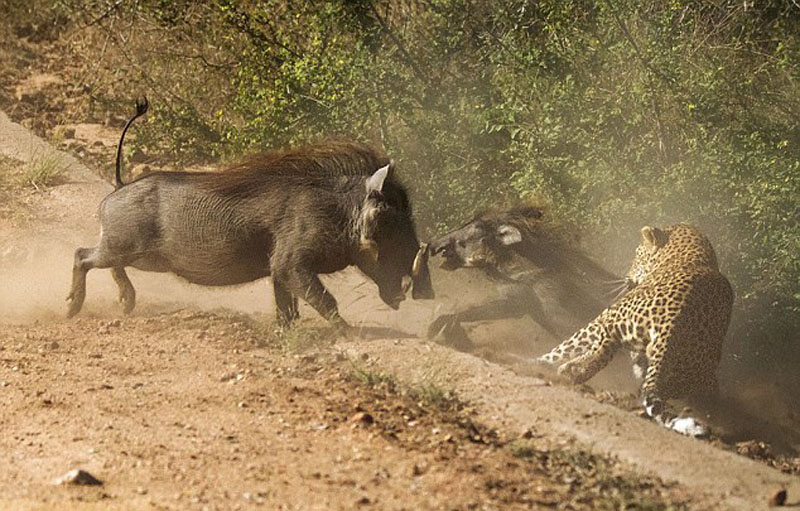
{"points": [[779, 499], [362, 418], [79, 477], [754, 449]]}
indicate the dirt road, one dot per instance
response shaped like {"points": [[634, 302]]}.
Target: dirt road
{"points": [[196, 403]]}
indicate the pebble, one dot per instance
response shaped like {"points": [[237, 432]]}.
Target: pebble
{"points": [[78, 477], [779, 499], [362, 418]]}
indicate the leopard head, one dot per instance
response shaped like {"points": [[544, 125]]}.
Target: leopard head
{"points": [[647, 254]]}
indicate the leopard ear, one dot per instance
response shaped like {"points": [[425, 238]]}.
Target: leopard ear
{"points": [[652, 236]]}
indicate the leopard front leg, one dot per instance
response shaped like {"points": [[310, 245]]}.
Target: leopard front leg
{"points": [[585, 353], [601, 347], [567, 350]]}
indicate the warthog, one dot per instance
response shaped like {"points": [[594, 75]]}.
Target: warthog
{"points": [[290, 214], [536, 269]]}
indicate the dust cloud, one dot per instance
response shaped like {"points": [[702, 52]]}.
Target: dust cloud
{"points": [[35, 277], [36, 274]]}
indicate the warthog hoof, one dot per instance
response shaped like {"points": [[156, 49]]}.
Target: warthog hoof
{"points": [[128, 301], [445, 330], [74, 304]]}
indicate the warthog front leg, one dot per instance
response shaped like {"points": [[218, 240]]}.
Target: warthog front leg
{"points": [[286, 303], [448, 325], [299, 282], [127, 295], [497, 309]]}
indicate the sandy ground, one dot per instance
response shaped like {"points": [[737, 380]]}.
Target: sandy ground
{"points": [[196, 402]]}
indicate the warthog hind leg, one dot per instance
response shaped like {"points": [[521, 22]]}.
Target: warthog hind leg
{"points": [[127, 294], [98, 257], [80, 266]]}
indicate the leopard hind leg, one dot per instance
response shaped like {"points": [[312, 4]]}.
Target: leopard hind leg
{"points": [[656, 389]]}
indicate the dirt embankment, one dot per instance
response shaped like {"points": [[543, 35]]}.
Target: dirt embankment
{"points": [[192, 411]]}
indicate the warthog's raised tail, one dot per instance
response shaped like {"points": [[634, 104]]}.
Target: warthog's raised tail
{"points": [[141, 108]]}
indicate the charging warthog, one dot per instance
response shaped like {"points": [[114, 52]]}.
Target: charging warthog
{"points": [[291, 214], [537, 271]]}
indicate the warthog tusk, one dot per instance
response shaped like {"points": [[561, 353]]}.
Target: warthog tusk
{"points": [[370, 248], [420, 259]]}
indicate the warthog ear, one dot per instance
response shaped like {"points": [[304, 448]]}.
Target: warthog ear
{"points": [[376, 180], [652, 237], [508, 235]]}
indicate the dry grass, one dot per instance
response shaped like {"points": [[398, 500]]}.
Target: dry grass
{"points": [[42, 171]]}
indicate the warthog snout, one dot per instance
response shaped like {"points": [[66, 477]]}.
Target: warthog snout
{"points": [[446, 247]]}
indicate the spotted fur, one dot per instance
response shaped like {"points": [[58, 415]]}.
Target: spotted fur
{"points": [[673, 320]]}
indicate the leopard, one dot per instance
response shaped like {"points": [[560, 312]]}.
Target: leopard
{"points": [[673, 320]]}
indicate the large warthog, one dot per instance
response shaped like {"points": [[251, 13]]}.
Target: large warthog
{"points": [[538, 272], [291, 215]]}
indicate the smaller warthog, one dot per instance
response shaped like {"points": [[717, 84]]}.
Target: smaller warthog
{"points": [[291, 214], [537, 271]]}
